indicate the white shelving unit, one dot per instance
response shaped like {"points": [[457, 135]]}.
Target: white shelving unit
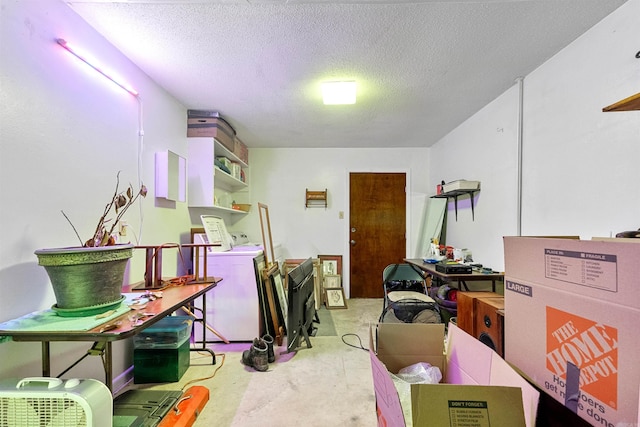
{"points": [[209, 184]]}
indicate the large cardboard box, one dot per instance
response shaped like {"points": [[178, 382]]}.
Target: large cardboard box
{"points": [[573, 313], [481, 388]]}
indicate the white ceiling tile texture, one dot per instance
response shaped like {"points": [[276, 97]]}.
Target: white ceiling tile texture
{"points": [[422, 67]]}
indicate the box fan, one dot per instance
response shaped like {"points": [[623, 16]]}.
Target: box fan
{"points": [[52, 402]]}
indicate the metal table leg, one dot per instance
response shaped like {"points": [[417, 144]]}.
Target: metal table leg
{"points": [[108, 366], [46, 359]]}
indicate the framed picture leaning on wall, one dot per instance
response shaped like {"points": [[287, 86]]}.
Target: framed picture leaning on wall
{"points": [[331, 264], [334, 298], [332, 281]]}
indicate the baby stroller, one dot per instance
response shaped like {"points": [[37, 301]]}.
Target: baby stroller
{"points": [[406, 298]]}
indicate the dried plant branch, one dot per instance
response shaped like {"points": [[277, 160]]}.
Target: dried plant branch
{"points": [[72, 226], [120, 202]]}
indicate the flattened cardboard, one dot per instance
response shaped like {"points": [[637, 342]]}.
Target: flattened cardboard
{"points": [[468, 364], [583, 301]]}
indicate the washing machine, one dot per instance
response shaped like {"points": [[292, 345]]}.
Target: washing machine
{"points": [[233, 307]]}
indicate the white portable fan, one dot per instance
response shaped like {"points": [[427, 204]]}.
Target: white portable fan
{"points": [[52, 402]]}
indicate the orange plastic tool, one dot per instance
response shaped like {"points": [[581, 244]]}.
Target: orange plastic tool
{"points": [[186, 410]]}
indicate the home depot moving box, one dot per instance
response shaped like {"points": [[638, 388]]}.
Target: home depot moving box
{"points": [[573, 321], [481, 388]]}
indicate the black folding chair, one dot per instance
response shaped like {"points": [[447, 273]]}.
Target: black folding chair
{"points": [[406, 295]]}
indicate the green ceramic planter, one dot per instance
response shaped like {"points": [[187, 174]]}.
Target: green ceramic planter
{"points": [[86, 280]]}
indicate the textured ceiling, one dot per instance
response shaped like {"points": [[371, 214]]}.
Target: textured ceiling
{"points": [[422, 67]]}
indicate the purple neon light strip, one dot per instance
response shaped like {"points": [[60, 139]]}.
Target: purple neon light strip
{"points": [[124, 86]]}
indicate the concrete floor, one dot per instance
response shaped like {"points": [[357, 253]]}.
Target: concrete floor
{"points": [[328, 384]]}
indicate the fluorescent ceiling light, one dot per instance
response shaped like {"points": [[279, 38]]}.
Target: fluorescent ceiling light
{"points": [[339, 92], [85, 58]]}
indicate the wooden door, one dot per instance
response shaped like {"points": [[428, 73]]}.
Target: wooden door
{"points": [[377, 214]]}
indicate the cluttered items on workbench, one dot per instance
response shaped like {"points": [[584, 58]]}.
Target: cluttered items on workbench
{"points": [[438, 252]]}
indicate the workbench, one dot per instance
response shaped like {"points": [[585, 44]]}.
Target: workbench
{"points": [[118, 328], [460, 279]]}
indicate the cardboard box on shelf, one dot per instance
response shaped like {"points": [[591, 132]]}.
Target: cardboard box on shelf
{"points": [[479, 385], [575, 334], [461, 184], [215, 127], [241, 150]]}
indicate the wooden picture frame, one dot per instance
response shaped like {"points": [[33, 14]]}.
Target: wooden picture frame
{"points": [[267, 241], [266, 325], [318, 286], [276, 281], [288, 265], [332, 281], [334, 298], [331, 264], [275, 308]]}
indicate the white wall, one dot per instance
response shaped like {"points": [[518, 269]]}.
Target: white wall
{"points": [[482, 149], [580, 165], [279, 178], [65, 133]]}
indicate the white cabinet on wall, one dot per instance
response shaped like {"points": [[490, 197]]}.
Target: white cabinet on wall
{"points": [[210, 186]]}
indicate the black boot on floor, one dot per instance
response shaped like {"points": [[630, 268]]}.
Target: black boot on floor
{"points": [[256, 357], [271, 356]]}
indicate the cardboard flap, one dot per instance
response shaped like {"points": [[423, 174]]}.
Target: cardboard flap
{"points": [[468, 360], [471, 362], [473, 405], [400, 345], [387, 399], [502, 374]]}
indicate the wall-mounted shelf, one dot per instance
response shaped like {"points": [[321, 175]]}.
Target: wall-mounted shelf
{"points": [[631, 103], [222, 209], [209, 186], [454, 195], [224, 180], [316, 199]]}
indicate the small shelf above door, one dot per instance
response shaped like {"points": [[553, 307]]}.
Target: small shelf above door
{"points": [[316, 199]]}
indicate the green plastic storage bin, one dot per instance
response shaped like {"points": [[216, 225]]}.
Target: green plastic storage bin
{"points": [[160, 365]]}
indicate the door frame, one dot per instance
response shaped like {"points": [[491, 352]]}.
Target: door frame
{"points": [[346, 259]]}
